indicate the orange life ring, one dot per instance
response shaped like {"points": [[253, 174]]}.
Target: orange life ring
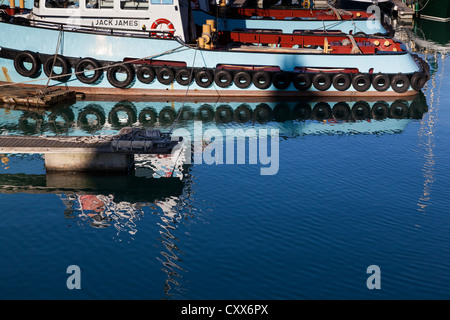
{"points": [[163, 21]]}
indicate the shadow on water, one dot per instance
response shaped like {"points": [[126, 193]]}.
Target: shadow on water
{"points": [[163, 185]]}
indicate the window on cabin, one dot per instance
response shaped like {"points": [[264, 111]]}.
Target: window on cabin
{"points": [[134, 5], [99, 4], [62, 4], [162, 1]]}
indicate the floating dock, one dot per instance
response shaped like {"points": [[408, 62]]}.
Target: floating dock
{"points": [[32, 97], [90, 153]]}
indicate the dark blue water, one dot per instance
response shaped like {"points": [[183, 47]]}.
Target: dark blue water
{"points": [[348, 194]]}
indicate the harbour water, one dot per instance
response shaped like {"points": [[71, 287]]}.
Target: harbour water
{"points": [[350, 192]]}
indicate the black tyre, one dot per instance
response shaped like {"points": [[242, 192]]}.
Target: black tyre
{"points": [[145, 74], [321, 81], [242, 79], [341, 81], [302, 111], [27, 64], [147, 117], [91, 66], [418, 80], [321, 111], [361, 110], [361, 82], [165, 75], [400, 83], [204, 78], [281, 80], [223, 78], [261, 79], [381, 82], [122, 108], [341, 111], [184, 76], [60, 62], [125, 80], [302, 81], [399, 110]]}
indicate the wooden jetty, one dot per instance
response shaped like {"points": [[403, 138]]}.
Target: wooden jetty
{"points": [[91, 153], [404, 12], [32, 97]]}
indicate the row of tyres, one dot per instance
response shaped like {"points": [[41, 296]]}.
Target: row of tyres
{"points": [[92, 117]]}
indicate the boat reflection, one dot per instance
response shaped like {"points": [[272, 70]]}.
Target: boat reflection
{"points": [[105, 117], [162, 186]]}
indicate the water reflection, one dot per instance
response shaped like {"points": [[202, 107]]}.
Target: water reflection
{"points": [[162, 186], [105, 117]]}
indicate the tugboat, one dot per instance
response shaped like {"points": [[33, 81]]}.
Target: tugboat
{"points": [[150, 47]]}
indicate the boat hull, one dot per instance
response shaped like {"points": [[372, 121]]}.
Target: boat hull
{"points": [[438, 10], [112, 49]]}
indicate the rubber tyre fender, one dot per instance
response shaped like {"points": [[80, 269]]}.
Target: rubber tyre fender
{"points": [[165, 75], [147, 117], [400, 83], [184, 76], [81, 67], [302, 111], [385, 82], [261, 79], [341, 111], [146, 74], [399, 109], [321, 81], [361, 78], [418, 80], [126, 107], [31, 57], [321, 111], [242, 79], [60, 61], [302, 81], [167, 116], [95, 110], [223, 78], [341, 81], [361, 110], [204, 78], [205, 113], [122, 84], [380, 110], [262, 113], [224, 114], [67, 115], [243, 113], [28, 128], [281, 80]]}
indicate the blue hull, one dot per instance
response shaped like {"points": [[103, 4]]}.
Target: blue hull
{"points": [[115, 48]]}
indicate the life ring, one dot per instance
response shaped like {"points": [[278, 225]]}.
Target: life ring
{"points": [[91, 126], [160, 22], [341, 81], [361, 82], [243, 113], [147, 117], [361, 110], [27, 57], [302, 111], [399, 110], [66, 115], [261, 79], [242, 79], [381, 82], [224, 114], [262, 113], [145, 74], [205, 113], [223, 78], [204, 78], [302, 81], [321, 81], [184, 76], [165, 75], [281, 80], [341, 111], [124, 107], [321, 111], [85, 65], [120, 68], [418, 80], [400, 83], [380, 110], [58, 61]]}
